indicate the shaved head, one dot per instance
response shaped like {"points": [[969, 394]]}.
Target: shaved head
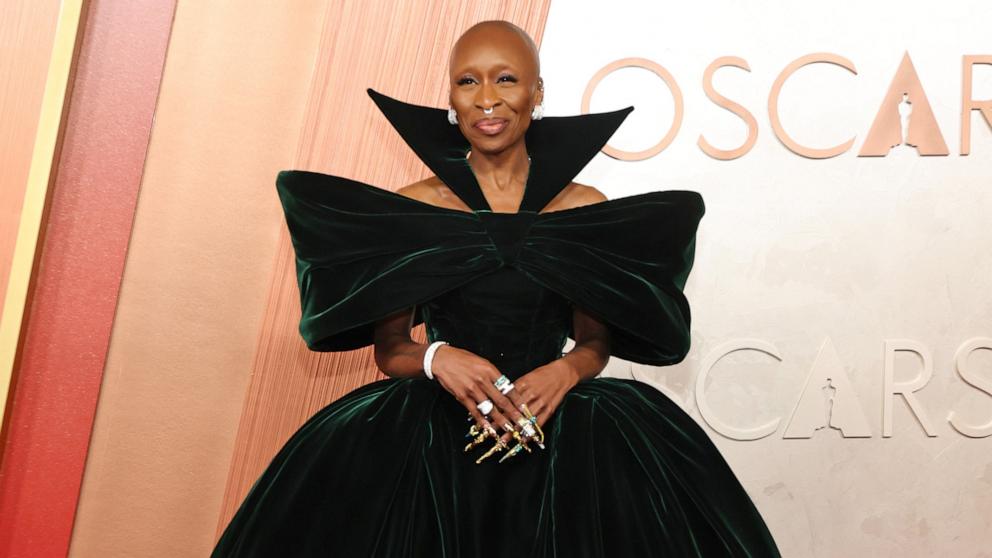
{"points": [[499, 31]]}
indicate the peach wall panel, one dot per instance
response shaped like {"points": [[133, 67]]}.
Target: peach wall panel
{"points": [[402, 50], [198, 268]]}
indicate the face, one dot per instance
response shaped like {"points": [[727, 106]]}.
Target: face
{"points": [[494, 67]]}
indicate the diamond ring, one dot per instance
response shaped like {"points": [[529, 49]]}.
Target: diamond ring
{"points": [[485, 407]]}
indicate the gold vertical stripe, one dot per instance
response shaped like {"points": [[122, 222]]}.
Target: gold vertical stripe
{"points": [[36, 192]]}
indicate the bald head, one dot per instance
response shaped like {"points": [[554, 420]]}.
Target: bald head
{"points": [[496, 34]]}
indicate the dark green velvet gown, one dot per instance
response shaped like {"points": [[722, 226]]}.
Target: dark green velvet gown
{"points": [[381, 471]]}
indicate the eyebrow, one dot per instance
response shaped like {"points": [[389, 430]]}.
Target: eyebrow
{"points": [[499, 67]]}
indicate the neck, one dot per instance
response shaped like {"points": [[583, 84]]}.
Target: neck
{"points": [[502, 170]]}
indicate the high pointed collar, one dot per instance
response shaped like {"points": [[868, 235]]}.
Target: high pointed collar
{"points": [[559, 148]]}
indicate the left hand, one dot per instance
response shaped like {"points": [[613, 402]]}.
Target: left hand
{"points": [[542, 390]]}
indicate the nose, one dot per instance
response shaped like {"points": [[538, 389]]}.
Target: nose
{"points": [[486, 96]]}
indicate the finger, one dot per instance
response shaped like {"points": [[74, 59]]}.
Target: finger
{"points": [[517, 396], [508, 407], [518, 393], [504, 410], [497, 417], [527, 403], [536, 407], [536, 412], [507, 438], [477, 415], [548, 410]]}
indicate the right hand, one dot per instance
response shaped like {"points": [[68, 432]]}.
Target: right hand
{"points": [[470, 379]]}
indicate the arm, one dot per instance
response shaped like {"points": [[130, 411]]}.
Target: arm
{"points": [[592, 337], [592, 347], [396, 353]]}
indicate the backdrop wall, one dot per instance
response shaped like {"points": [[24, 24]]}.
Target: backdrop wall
{"points": [[814, 278], [819, 261]]}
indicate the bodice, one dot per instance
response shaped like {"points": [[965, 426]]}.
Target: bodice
{"points": [[504, 317]]}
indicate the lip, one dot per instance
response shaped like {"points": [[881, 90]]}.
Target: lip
{"points": [[491, 126]]}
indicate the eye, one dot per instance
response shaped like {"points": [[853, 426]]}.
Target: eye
{"points": [[507, 77]]}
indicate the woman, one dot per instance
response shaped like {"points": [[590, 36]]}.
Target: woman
{"points": [[489, 441]]}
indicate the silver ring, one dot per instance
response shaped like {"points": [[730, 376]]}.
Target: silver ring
{"points": [[485, 407], [506, 389]]}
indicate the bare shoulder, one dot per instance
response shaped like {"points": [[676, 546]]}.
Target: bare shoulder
{"points": [[585, 194], [575, 195], [424, 190], [435, 192]]}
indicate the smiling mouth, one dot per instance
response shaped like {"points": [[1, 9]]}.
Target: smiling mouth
{"points": [[491, 126]]}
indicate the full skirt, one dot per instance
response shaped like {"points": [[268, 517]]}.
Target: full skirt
{"points": [[382, 472]]}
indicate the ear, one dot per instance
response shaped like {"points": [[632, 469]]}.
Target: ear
{"points": [[539, 98]]}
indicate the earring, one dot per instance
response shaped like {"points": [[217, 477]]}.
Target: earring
{"points": [[452, 116], [538, 112]]}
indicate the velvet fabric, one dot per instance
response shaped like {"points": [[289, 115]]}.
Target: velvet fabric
{"points": [[382, 472]]}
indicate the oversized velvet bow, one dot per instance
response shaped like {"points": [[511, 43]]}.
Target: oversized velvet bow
{"points": [[363, 252]]}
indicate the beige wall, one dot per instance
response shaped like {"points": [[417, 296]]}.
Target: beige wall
{"points": [[824, 262], [197, 278]]}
